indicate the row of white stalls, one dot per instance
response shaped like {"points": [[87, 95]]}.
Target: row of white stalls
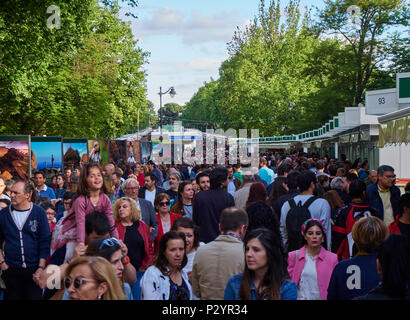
{"points": [[378, 131]]}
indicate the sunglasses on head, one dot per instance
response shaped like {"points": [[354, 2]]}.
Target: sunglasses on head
{"points": [[77, 283], [109, 243], [164, 203]]}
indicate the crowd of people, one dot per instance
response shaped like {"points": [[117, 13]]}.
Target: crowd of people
{"points": [[299, 228]]}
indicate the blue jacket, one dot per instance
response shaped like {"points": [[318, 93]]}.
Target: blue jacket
{"points": [[288, 289], [374, 200], [353, 278], [36, 238]]}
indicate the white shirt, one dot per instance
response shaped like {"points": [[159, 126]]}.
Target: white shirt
{"points": [[20, 217], [150, 196], [308, 288]]}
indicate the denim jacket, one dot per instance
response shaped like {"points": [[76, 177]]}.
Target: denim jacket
{"points": [[288, 289]]}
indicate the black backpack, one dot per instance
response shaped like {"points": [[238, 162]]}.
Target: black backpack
{"points": [[296, 216]]}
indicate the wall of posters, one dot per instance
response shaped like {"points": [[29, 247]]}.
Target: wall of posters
{"points": [[75, 152], [133, 152], [14, 157], [98, 151], [118, 153], [146, 148], [47, 152]]}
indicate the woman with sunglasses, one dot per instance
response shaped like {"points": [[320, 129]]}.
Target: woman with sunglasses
{"points": [[166, 279], [164, 216], [311, 266], [112, 250], [136, 236], [92, 278]]}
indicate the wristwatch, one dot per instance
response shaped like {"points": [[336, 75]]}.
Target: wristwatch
{"points": [[42, 267]]}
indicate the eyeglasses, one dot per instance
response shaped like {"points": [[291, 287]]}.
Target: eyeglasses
{"points": [[163, 204], [109, 243], [77, 283], [132, 188]]}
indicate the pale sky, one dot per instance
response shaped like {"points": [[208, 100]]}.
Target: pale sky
{"points": [[187, 40]]}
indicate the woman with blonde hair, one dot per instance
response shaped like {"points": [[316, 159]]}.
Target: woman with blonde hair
{"points": [[92, 278], [355, 277], [136, 236]]}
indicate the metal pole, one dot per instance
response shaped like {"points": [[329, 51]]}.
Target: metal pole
{"points": [[160, 112]]}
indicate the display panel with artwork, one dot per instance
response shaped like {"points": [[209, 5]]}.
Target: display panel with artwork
{"points": [[14, 157]]}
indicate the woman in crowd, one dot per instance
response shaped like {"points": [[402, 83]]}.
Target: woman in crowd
{"points": [[357, 276], [53, 184], [279, 189], [92, 278], [265, 276], [136, 236], [311, 266], [324, 181], [393, 265], [166, 279], [60, 190], [92, 197], [51, 215], [335, 204], [191, 231], [257, 192], [164, 216], [183, 206]]}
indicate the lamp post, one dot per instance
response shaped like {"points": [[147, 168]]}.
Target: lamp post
{"points": [[172, 93]]}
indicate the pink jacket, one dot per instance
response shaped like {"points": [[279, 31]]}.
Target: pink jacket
{"points": [[325, 263]]}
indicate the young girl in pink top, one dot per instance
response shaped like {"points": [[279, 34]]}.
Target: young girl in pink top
{"points": [[92, 197]]}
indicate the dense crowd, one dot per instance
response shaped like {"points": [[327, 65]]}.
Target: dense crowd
{"points": [[299, 227]]}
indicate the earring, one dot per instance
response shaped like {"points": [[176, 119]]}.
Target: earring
{"points": [[99, 297]]}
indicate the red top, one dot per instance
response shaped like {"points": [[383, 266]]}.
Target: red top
{"points": [[141, 179], [143, 229], [394, 226], [173, 217]]}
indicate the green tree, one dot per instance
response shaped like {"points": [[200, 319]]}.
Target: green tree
{"points": [[366, 41], [170, 113], [91, 86]]}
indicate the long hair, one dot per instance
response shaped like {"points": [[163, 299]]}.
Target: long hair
{"points": [[334, 199], [83, 185], [102, 272], [178, 207], [257, 192], [277, 267], [278, 190], [187, 223], [135, 212], [160, 261]]}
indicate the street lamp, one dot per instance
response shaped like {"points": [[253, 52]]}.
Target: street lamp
{"points": [[172, 93]]}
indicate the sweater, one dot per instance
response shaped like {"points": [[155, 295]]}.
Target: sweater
{"points": [[353, 277], [24, 248]]}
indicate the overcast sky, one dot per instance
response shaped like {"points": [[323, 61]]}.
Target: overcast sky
{"points": [[187, 40]]}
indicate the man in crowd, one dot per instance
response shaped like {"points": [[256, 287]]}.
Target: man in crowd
{"points": [[231, 185], [209, 204], [150, 190], [131, 189], [25, 232], [340, 186], [383, 195], [241, 195], [202, 179], [158, 174], [174, 181], [292, 183], [116, 178], [41, 187], [371, 178], [222, 258]]}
